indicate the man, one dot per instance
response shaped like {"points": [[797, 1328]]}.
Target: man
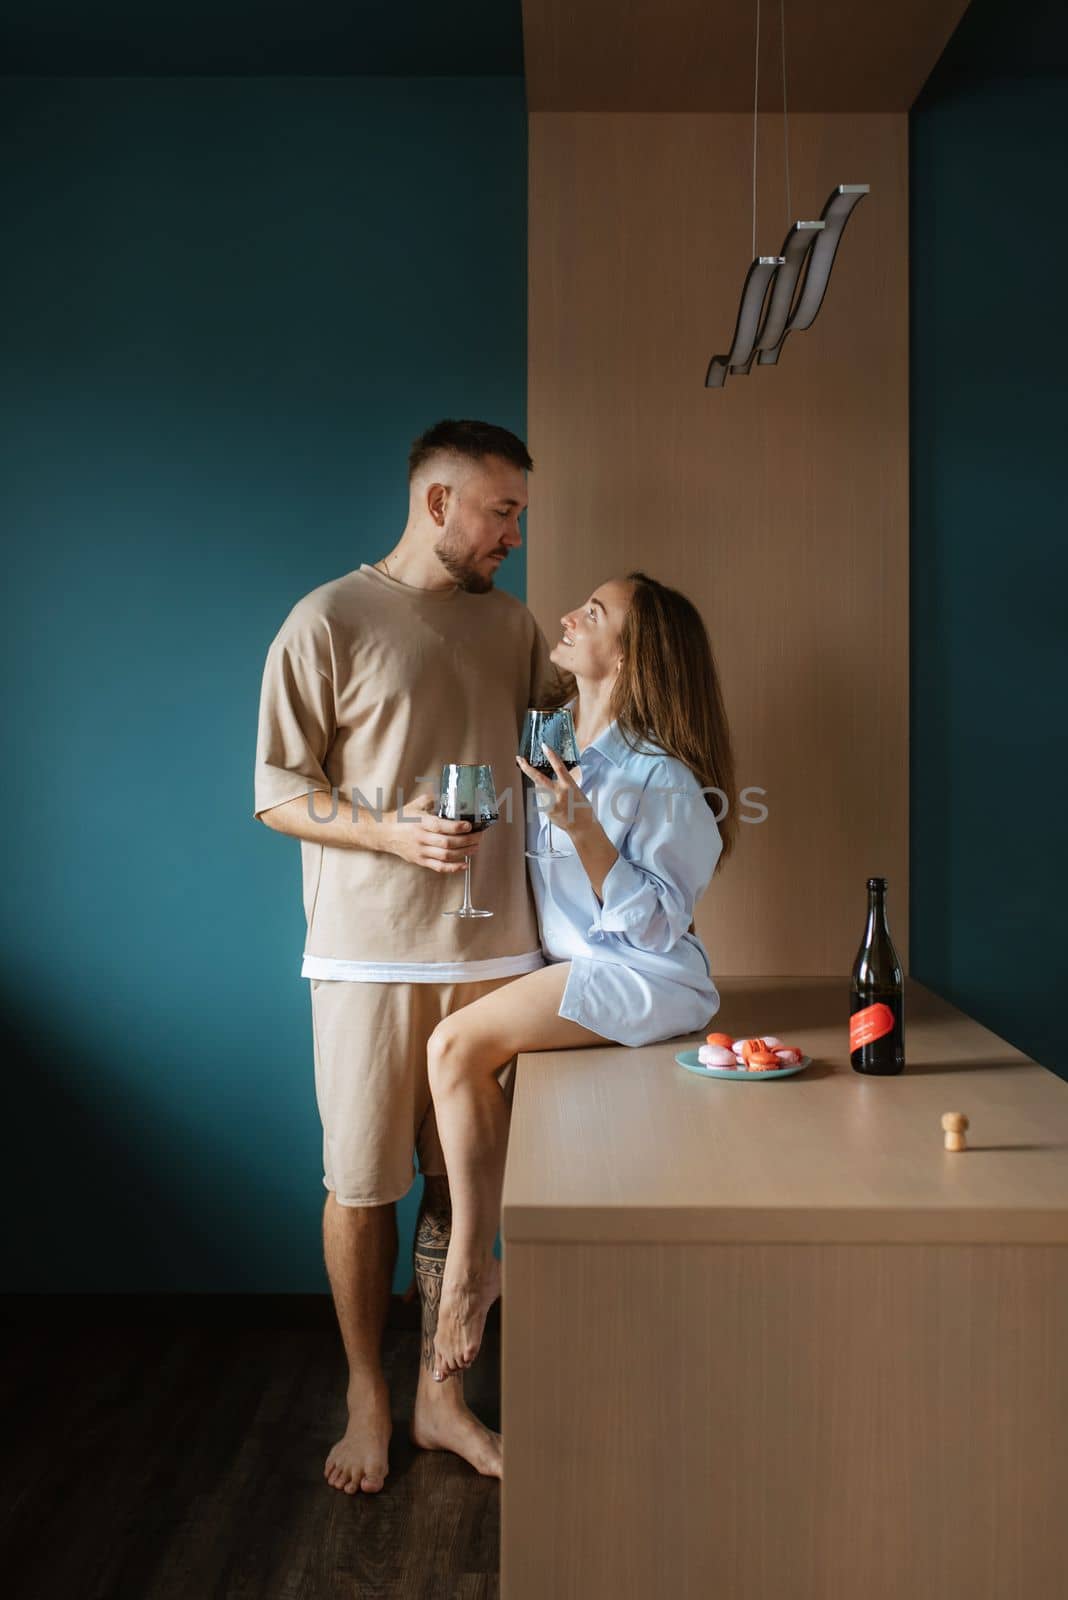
{"points": [[374, 681]]}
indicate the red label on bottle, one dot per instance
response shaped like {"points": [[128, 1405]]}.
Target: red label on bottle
{"points": [[870, 1024]]}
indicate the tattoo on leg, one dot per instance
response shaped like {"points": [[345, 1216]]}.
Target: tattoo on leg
{"points": [[431, 1247]]}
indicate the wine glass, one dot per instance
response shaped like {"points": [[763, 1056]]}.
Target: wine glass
{"points": [[557, 730], [467, 795]]}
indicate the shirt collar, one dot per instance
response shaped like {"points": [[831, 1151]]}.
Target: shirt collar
{"points": [[611, 744]]}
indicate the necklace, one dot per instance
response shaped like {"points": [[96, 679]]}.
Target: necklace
{"points": [[383, 565]]}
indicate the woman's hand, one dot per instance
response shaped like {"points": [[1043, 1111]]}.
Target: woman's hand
{"points": [[569, 805], [571, 811]]}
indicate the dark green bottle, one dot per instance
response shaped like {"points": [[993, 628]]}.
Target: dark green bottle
{"points": [[877, 995]]}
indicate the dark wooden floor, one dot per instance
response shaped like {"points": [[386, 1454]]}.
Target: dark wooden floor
{"points": [[162, 1462]]}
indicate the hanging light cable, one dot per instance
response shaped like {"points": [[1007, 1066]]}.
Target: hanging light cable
{"points": [[757, 279], [756, 96], [785, 118]]}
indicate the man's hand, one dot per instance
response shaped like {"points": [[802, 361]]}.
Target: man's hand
{"points": [[424, 839], [428, 840]]}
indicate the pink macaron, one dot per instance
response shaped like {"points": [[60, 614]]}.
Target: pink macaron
{"points": [[715, 1055]]}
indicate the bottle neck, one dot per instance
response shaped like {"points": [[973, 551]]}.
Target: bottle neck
{"points": [[877, 922], [877, 966]]}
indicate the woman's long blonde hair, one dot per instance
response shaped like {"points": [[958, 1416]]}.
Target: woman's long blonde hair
{"points": [[668, 692]]}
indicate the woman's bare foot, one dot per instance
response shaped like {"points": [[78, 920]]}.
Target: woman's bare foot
{"points": [[465, 1300], [360, 1459], [442, 1421]]}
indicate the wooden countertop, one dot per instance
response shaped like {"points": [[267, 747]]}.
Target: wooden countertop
{"points": [[621, 1144]]}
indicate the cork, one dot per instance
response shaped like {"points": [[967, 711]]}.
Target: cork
{"points": [[953, 1124]]}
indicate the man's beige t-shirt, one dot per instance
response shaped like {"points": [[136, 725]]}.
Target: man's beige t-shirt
{"points": [[372, 685]]}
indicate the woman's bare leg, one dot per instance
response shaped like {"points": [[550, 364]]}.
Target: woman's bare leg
{"points": [[465, 1053]]}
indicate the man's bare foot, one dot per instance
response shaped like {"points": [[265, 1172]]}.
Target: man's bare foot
{"points": [[465, 1300], [442, 1421], [360, 1459]]}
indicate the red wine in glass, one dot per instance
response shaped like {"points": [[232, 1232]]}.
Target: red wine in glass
{"points": [[467, 795], [557, 730], [546, 771]]}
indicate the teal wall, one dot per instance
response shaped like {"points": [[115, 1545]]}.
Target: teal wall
{"points": [[229, 304], [989, 559]]}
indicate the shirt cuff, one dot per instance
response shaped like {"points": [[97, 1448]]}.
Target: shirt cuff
{"points": [[625, 900]]}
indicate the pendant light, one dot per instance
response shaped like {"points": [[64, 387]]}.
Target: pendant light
{"points": [[782, 294]]}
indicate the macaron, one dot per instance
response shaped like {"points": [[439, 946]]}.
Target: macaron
{"points": [[715, 1055], [762, 1041], [763, 1061], [723, 1039]]}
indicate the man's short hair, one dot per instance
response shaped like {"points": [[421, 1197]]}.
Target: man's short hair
{"points": [[475, 440]]}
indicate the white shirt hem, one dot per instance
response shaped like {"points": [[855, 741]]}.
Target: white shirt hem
{"points": [[334, 970]]}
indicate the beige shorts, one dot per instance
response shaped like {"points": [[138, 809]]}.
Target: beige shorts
{"points": [[371, 1082]]}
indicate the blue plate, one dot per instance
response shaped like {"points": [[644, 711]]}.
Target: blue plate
{"points": [[688, 1059]]}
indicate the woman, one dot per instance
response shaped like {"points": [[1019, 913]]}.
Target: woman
{"points": [[642, 843]]}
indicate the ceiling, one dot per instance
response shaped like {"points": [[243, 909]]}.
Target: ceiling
{"points": [[698, 55], [419, 38], [1003, 39], [641, 55]]}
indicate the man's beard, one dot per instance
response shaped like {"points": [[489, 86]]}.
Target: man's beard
{"points": [[458, 565]]}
